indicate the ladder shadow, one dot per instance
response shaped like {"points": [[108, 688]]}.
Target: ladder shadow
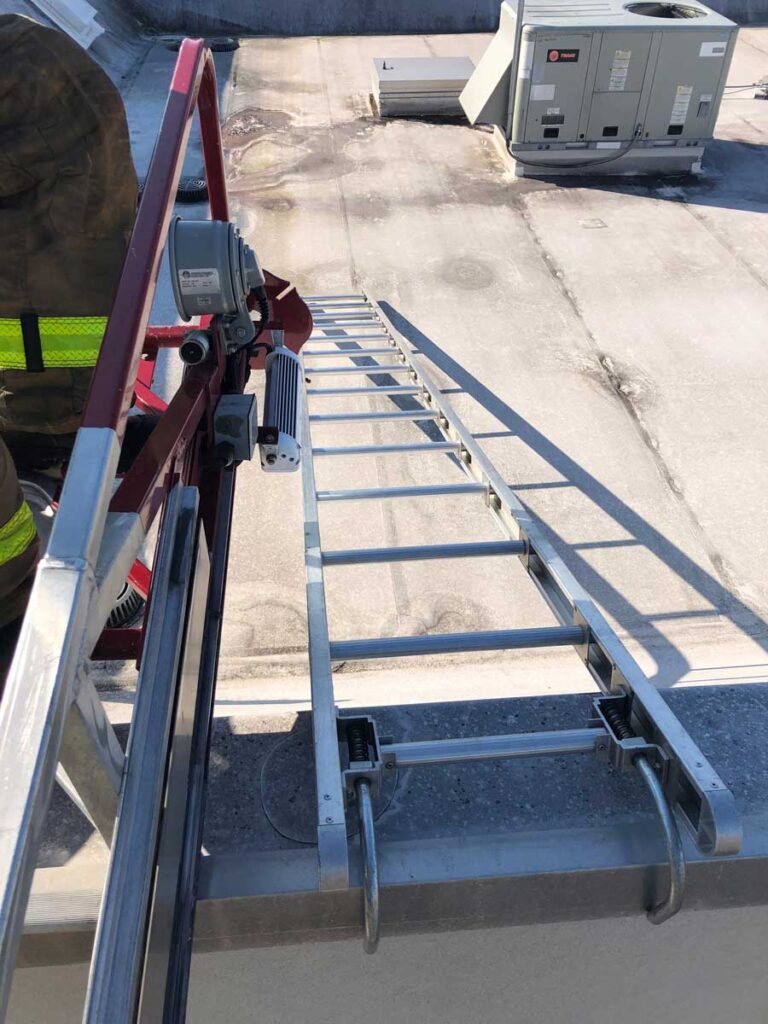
{"points": [[671, 662]]}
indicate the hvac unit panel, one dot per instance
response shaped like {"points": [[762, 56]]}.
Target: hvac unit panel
{"points": [[613, 116], [558, 75], [622, 62], [686, 85]]}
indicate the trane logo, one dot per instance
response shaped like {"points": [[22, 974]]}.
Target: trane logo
{"points": [[562, 56]]}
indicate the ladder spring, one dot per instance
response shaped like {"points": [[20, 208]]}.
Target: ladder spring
{"points": [[619, 725], [672, 902], [358, 744]]}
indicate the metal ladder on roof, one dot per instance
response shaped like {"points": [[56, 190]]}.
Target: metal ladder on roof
{"points": [[631, 728]]}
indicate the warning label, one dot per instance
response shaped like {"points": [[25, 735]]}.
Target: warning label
{"points": [[562, 56], [681, 104], [199, 281], [619, 71]]}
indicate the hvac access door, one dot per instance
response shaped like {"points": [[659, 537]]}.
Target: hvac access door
{"points": [[556, 93], [621, 69], [690, 73]]}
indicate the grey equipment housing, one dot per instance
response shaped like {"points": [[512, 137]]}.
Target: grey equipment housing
{"points": [[278, 438], [615, 87], [235, 428], [213, 271]]}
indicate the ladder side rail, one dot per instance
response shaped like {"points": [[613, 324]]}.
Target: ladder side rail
{"points": [[90, 754], [333, 856], [119, 945], [177, 983], [178, 799], [41, 681], [691, 784]]}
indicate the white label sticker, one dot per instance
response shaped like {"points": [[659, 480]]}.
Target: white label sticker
{"points": [[608, 145], [712, 49], [681, 104], [198, 282], [705, 98], [542, 92], [619, 71], [553, 110]]}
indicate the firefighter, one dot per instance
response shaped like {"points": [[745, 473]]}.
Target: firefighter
{"points": [[68, 195]]}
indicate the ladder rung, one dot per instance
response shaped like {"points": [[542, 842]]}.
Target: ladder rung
{"points": [[385, 389], [329, 322], [423, 552], [378, 368], [328, 338], [427, 448], [490, 748], [333, 298], [424, 491], [345, 313], [362, 417], [348, 304], [456, 643], [352, 353]]}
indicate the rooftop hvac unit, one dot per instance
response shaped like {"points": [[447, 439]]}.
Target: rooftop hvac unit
{"points": [[575, 86]]}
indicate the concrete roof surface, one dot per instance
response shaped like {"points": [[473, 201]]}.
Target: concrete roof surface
{"points": [[606, 341]]}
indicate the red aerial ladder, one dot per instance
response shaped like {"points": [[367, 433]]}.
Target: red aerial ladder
{"points": [[185, 477]]}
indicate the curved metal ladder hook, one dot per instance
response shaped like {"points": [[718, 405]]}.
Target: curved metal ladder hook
{"points": [[370, 866], [674, 900]]}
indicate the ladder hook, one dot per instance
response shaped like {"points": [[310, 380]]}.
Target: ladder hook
{"points": [[370, 866], [668, 907]]}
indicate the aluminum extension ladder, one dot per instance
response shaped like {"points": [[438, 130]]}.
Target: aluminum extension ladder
{"points": [[631, 727]]}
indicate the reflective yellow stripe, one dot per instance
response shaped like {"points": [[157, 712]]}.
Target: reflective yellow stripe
{"points": [[17, 534], [65, 340], [11, 346]]}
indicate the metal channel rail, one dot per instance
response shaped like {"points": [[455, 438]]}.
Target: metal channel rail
{"points": [[630, 727]]}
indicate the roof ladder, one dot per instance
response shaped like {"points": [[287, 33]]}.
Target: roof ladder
{"points": [[630, 727]]}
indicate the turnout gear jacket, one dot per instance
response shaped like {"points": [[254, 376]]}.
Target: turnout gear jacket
{"points": [[67, 205]]}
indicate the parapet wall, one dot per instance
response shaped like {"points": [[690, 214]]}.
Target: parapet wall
{"points": [[356, 17]]}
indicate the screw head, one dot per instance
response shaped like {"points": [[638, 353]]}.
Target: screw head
{"points": [[327, 796], [329, 821]]}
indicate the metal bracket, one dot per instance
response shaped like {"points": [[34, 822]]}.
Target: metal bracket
{"points": [[361, 772], [623, 747], [625, 751], [360, 755]]}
